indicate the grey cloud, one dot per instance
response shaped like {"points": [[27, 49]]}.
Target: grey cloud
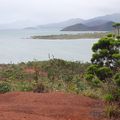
{"points": [[46, 11]]}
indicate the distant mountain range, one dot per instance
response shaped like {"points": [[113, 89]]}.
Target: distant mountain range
{"points": [[113, 17], [98, 23], [83, 27], [102, 23]]}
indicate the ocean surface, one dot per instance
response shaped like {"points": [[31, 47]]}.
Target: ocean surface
{"points": [[16, 46]]}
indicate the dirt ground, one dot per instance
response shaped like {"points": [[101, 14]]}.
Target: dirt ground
{"points": [[48, 106]]}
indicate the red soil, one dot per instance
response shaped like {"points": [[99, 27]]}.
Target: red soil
{"points": [[48, 106]]}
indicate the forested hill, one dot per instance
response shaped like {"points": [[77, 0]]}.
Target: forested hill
{"points": [[83, 27]]}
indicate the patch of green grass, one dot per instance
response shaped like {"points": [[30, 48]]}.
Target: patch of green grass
{"points": [[93, 93], [5, 87]]}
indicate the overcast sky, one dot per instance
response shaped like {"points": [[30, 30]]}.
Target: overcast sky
{"points": [[47, 11]]}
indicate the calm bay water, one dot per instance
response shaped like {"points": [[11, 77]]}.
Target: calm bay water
{"points": [[14, 47]]}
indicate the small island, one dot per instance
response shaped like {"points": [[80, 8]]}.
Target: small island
{"points": [[93, 35]]}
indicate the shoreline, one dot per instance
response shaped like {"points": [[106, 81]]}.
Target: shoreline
{"points": [[94, 35]]}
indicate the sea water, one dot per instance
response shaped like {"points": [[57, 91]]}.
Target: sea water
{"points": [[17, 46]]}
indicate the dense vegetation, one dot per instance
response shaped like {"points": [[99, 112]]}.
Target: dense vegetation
{"points": [[54, 74], [98, 79]]}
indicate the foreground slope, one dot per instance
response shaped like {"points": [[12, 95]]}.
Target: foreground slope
{"points": [[48, 106]]}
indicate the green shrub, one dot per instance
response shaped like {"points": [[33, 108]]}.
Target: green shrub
{"points": [[92, 80], [93, 93], [40, 88], [95, 82], [80, 86], [117, 79], [4, 87], [92, 69], [104, 72], [89, 77], [12, 73], [108, 98], [71, 87], [118, 37], [24, 86], [110, 35]]}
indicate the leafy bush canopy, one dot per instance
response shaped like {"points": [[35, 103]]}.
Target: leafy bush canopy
{"points": [[5, 87], [106, 57]]}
